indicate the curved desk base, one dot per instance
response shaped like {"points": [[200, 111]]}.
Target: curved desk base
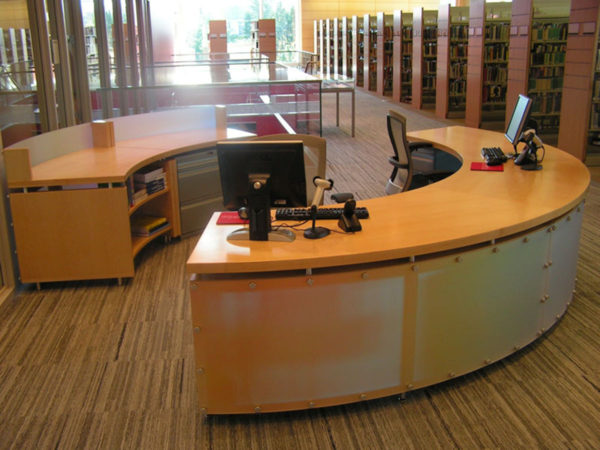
{"points": [[283, 341]]}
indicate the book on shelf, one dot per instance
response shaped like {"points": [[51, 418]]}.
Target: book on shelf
{"points": [[144, 177], [152, 186], [147, 225]]}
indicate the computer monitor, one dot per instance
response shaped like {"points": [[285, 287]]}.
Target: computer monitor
{"points": [[258, 175], [518, 120]]}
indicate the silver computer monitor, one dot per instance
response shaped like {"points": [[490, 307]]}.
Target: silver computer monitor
{"points": [[518, 119]]}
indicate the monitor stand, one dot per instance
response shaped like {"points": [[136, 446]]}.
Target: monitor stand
{"points": [[259, 214], [243, 234]]}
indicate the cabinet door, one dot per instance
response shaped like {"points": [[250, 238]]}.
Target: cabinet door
{"points": [[72, 234]]}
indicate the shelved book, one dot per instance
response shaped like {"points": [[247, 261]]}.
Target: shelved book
{"points": [[147, 225], [153, 181]]}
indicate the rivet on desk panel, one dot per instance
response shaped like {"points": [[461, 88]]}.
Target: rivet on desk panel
{"points": [[557, 316], [550, 262], [196, 329], [410, 386], [517, 347], [546, 265], [311, 404], [257, 409], [363, 396], [495, 250], [364, 275], [542, 300], [458, 259], [543, 330], [451, 375], [252, 285], [310, 281], [487, 361], [539, 333], [414, 268], [546, 296]]}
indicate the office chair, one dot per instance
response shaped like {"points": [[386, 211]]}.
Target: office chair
{"points": [[411, 171]]}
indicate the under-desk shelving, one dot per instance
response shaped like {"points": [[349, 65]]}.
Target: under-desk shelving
{"points": [[149, 195]]}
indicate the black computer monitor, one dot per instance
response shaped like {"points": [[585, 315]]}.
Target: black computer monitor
{"points": [[258, 175], [518, 120]]}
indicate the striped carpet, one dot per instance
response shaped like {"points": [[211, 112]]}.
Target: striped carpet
{"points": [[96, 365]]}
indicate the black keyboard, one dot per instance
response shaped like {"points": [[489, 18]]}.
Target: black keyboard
{"points": [[322, 213], [493, 156]]}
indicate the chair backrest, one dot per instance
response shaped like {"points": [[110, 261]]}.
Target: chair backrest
{"points": [[401, 176]]}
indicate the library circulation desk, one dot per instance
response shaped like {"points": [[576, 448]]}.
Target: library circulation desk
{"points": [[441, 281]]}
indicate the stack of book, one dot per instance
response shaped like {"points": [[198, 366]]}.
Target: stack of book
{"points": [[146, 225], [152, 181]]}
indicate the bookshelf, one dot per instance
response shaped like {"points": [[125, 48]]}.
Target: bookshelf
{"points": [[217, 36], [321, 45], [346, 47], [424, 59], [581, 85], [263, 35], [546, 71], [451, 77], [358, 49], [370, 52], [406, 54], [495, 65], [385, 53], [429, 56], [487, 64], [328, 68], [153, 183]]}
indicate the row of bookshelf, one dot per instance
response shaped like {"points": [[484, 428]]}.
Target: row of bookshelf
{"points": [[548, 54], [550, 31], [497, 32]]}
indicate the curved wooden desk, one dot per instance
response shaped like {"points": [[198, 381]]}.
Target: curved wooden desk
{"points": [[441, 281]]}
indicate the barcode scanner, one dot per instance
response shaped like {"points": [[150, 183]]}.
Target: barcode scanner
{"points": [[348, 220]]}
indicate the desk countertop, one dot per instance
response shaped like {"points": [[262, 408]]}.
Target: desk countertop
{"points": [[467, 208]]}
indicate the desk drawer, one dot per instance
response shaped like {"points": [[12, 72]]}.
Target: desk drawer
{"points": [[198, 176]]}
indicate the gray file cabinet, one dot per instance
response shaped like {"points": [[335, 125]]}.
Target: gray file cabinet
{"points": [[199, 188]]}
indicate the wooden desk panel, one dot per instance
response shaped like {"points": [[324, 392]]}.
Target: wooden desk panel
{"points": [[465, 209]]}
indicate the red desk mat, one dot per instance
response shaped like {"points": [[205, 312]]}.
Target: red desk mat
{"points": [[230, 218], [484, 166]]}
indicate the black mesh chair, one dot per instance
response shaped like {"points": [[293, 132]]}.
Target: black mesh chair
{"points": [[414, 162]]}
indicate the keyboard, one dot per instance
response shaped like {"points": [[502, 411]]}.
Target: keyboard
{"points": [[493, 156], [322, 213]]}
